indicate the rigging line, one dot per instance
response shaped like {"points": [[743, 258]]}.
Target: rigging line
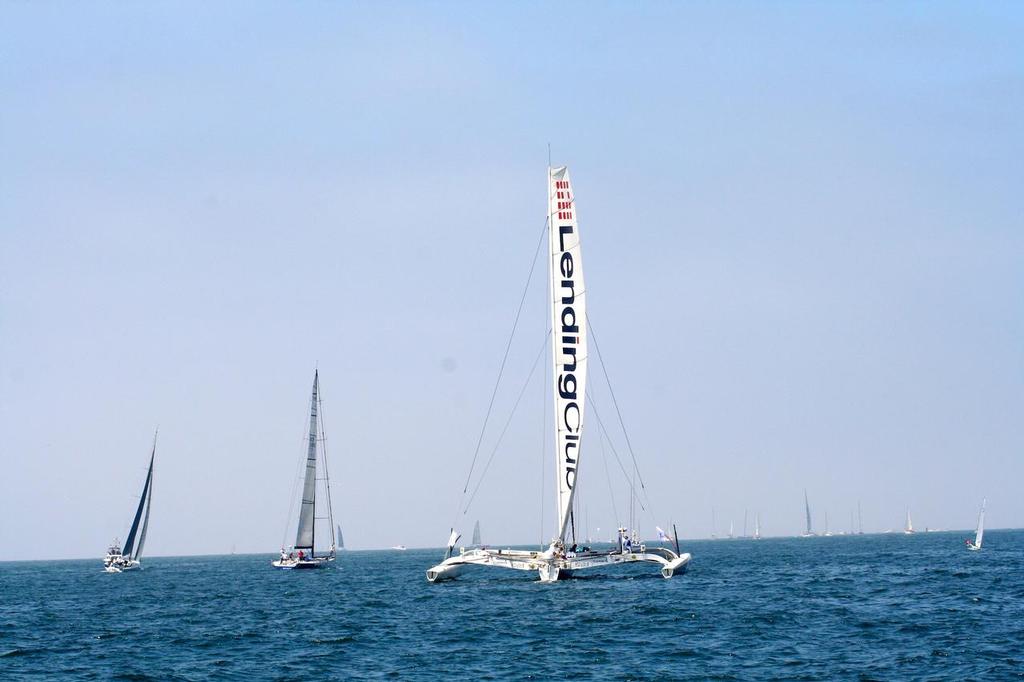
{"points": [[508, 421], [327, 473], [625, 472], [608, 475], [295, 488], [543, 455], [501, 370], [615, 402]]}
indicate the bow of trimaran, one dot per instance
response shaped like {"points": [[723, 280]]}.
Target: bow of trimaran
{"points": [[569, 357]]}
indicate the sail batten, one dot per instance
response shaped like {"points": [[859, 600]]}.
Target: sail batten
{"points": [[307, 509], [569, 337]]}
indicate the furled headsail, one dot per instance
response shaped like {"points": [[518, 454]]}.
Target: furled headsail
{"points": [[569, 336]]}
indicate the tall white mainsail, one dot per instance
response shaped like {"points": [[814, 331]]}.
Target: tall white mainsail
{"points": [[569, 337], [979, 533], [807, 511], [307, 510]]}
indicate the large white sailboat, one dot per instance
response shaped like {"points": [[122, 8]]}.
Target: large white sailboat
{"points": [[128, 558], [567, 300], [979, 532], [303, 553]]}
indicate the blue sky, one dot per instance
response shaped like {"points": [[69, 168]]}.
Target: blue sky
{"points": [[802, 226]]}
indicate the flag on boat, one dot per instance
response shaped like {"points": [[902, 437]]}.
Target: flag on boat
{"points": [[453, 538], [661, 535]]}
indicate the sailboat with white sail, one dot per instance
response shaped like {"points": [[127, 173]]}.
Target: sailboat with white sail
{"points": [[570, 335], [908, 528], [129, 558], [979, 532], [303, 553], [757, 526], [476, 534], [808, 533]]}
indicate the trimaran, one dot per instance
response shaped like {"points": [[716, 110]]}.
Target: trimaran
{"points": [[567, 299], [303, 552], [128, 558]]}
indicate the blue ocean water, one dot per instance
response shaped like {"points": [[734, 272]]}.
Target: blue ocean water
{"points": [[864, 607]]}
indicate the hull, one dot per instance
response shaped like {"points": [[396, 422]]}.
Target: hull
{"points": [[551, 568], [123, 566], [301, 564]]}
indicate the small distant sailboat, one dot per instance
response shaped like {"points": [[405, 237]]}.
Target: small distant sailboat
{"points": [[757, 526], [908, 529], [828, 534], [128, 558], [979, 533], [476, 534], [730, 530], [399, 548], [303, 552], [808, 533], [570, 338]]}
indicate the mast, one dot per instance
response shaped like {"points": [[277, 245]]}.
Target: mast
{"points": [[304, 536], [567, 296]]}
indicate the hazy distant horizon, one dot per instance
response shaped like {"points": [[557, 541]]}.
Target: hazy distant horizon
{"points": [[802, 231]]}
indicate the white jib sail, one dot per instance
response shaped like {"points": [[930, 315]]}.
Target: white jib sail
{"points": [[304, 536], [569, 336], [980, 532]]}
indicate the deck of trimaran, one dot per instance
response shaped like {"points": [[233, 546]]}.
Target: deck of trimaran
{"points": [[569, 336]]}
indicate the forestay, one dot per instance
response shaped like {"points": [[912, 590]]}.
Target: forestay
{"points": [[569, 336]]}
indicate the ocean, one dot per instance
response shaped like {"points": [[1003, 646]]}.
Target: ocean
{"points": [[882, 607]]}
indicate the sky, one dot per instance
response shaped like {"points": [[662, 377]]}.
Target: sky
{"points": [[802, 227]]}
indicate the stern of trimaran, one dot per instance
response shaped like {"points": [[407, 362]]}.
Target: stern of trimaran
{"points": [[567, 299]]}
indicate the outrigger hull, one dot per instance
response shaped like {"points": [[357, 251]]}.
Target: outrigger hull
{"points": [[553, 568]]}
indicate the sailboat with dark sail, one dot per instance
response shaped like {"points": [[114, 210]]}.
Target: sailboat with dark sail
{"points": [[303, 553], [129, 558], [570, 336]]}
